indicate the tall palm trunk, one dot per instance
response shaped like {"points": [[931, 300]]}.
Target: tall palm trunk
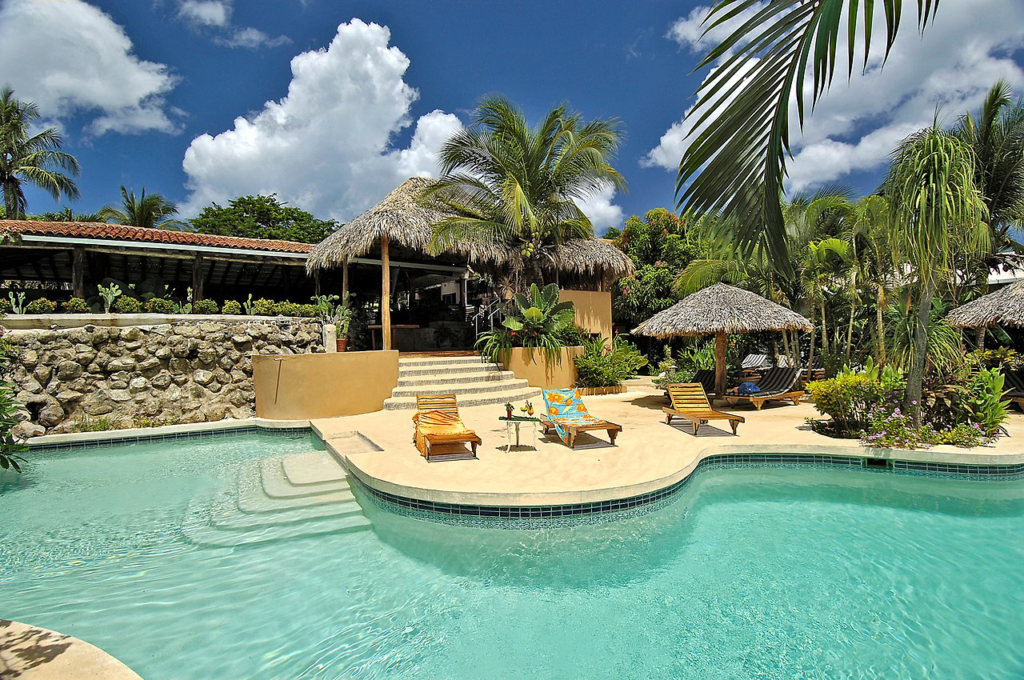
{"points": [[981, 338], [810, 354], [824, 330], [849, 332], [915, 377], [880, 324]]}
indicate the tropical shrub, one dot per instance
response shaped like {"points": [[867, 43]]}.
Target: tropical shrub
{"points": [[205, 306], [849, 400], [602, 365], [890, 428], [264, 307], [160, 306], [40, 306], [5, 306], [986, 405], [76, 305], [572, 335], [231, 307], [10, 448], [534, 321], [306, 311], [286, 308], [127, 305]]}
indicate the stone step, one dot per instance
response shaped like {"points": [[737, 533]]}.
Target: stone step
{"points": [[240, 521], [276, 485], [208, 535], [487, 387], [251, 498], [477, 375], [420, 362], [313, 467], [457, 369], [500, 397]]}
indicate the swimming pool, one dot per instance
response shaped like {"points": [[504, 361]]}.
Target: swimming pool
{"points": [[748, 573]]}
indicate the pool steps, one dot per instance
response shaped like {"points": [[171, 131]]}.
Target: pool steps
{"points": [[276, 499], [474, 381]]}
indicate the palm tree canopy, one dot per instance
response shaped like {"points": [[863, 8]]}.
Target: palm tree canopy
{"points": [[735, 164], [152, 211], [508, 184], [35, 159]]}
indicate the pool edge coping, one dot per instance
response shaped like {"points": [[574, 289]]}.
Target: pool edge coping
{"points": [[80, 659]]}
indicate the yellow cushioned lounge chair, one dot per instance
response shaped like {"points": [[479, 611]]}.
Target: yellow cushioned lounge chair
{"points": [[690, 401], [438, 422]]}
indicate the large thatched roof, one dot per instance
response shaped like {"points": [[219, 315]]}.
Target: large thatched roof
{"points": [[1005, 306], [721, 309], [408, 221]]}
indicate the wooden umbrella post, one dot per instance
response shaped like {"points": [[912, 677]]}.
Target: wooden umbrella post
{"points": [[385, 296], [720, 339]]}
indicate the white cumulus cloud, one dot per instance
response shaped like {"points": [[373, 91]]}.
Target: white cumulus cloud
{"points": [[251, 38], [326, 146], [856, 126], [206, 12], [213, 17], [68, 56], [602, 212]]}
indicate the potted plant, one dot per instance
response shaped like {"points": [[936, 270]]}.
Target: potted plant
{"points": [[341, 323], [508, 410]]}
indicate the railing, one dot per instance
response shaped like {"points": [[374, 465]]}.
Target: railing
{"points": [[487, 315]]}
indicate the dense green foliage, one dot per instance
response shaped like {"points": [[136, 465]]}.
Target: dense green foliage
{"points": [[40, 306], [127, 305], [231, 307], [205, 306], [34, 159], [534, 321], [10, 448], [152, 211], [605, 364], [262, 217], [516, 186], [76, 305]]}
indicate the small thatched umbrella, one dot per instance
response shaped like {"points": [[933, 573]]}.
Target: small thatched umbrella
{"points": [[719, 310], [1003, 307]]}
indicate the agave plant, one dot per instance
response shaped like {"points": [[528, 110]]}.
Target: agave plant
{"points": [[533, 321]]}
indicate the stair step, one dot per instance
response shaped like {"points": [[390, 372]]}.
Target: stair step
{"points": [[276, 485], [419, 362], [255, 502], [499, 397], [458, 369], [460, 389], [313, 467], [208, 535], [240, 521], [455, 377]]}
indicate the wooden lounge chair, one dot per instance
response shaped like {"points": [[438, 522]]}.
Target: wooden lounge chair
{"points": [[566, 413], [777, 383], [690, 401], [438, 422], [706, 378], [1015, 386]]}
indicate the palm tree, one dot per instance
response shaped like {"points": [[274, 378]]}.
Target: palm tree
{"points": [[736, 162], [516, 186], [874, 268], [35, 160], [935, 207], [150, 211]]}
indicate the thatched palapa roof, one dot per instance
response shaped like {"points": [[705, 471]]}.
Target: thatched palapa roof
{"points": [[1005, 306], [408, 221], [721, 309]]}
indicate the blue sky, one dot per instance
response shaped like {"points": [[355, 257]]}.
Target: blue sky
{"points": [[331, 104]]}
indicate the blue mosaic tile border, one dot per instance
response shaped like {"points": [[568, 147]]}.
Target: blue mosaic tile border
{"points": [[174, 436], [527, 517]]}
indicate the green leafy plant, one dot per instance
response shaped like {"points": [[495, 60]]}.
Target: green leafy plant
{"points": [[40, 306], [96, 424], [127, 305], [76, 305], [17, 303], [205, 306], [160, 306], [140, 419], [264, 307], [988, 409], [306, 311], [326, 306], [247, 305], [5, 307], [286, 308], [108, 294], [605, 364], [534, 321], [231, 307]]}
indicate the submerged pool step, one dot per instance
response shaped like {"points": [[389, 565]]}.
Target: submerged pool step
{"points": [[252, 499], [209, 535], [276, 484], [241, 521]]}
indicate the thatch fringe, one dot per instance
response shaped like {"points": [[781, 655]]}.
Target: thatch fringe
{"points": [[1003, 307], [721, 308]]}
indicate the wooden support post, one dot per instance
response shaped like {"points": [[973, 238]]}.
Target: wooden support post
{"points": [[316, 283], [344, 278], [198, 277], [720, 340], [78, 272], [385, 294], [465, 296]]}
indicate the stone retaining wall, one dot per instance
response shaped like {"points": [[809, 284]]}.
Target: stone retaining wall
{"points": [[188, 371]]}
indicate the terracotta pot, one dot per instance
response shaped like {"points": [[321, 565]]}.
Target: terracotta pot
{"points": [[342, 344]]}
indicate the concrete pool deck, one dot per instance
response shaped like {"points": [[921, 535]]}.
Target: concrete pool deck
{"points": [[32, 653], [650, 455]]}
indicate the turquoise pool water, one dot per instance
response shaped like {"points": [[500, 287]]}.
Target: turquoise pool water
{"points": [[749, 573]]}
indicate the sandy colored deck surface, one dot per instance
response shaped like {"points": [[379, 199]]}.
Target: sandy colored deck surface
{"points": [[31, 653], [650, 454]]}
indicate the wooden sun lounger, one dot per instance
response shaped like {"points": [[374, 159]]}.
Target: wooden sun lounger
{"points": [[777, 384], [690, 401], [1015, 385], [611, 428], [445, 403]]}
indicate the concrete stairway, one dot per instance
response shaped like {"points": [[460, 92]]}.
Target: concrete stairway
{"points": [[473, 380], [279, 498]]}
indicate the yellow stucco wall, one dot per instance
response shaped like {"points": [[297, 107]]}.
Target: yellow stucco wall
{"points": [[593, 310], [304, 386], [538, 374]]}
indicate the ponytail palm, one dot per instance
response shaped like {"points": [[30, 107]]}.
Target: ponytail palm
{"points": [[515, 186], [736, 163]]}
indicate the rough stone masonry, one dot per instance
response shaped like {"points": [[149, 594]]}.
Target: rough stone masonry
{"points": [[186, 371]]}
